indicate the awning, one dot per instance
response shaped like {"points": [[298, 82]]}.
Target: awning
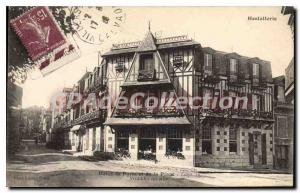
{"points": [[148, 121], [75, 128]]}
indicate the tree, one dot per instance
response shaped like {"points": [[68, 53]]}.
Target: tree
{"points": [[18, 60]]}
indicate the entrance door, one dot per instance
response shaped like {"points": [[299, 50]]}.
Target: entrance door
{"points": [[264, 149], [147, 144], [282, 156], [251, 149]]}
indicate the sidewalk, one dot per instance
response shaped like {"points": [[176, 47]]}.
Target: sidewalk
{"points": [[145, 163]]}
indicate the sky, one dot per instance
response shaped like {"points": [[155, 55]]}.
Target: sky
{"points": [[222, 28]]}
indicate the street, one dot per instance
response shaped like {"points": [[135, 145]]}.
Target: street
{"points": [[38, 166]]}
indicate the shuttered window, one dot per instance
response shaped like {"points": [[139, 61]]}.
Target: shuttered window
{"points": [[233, 66], [208, 60]]}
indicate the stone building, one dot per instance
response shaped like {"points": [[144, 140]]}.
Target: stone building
{"points": [[283, 127]]}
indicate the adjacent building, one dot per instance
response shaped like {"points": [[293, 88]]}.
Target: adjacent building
{"points": [[283, 127]]}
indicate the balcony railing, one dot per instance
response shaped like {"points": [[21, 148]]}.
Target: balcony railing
{"points": [[237, 113], [149, 112], [97, 114], [92, 116], [98, 84], [146, 75]]}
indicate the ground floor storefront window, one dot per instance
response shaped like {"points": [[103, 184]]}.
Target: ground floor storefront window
{"points": [[174, 143], [147, 144]]}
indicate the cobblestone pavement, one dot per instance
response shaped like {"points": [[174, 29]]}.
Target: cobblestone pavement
{"points": [[37, 166]]}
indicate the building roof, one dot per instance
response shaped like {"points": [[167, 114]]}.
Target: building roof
{"points": [[220, 59], [151, 43]]}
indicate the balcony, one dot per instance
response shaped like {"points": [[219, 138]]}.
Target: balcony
{"points": [[149, 113], [235, 113], [95, 116], [236, 80], [98, 84], [146, 75]]}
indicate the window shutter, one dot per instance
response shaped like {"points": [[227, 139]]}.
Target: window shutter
{"points": [[249, 105]]}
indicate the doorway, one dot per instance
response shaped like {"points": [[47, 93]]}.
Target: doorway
{"points": [[147, 144]]}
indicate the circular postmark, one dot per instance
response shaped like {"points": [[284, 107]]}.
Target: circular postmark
{"points": [[95, 24]]}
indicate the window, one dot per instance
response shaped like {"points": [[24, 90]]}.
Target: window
{"points": [[178, 60], [206, 141], [255, 69], [146, 62], [160, 139], [187, 148], [132, 146], [208, 63], [256, 102], [232, 140], [233, 66], [218, 148], [110, 146], [209, 93], [161, 147], [282, 127]]}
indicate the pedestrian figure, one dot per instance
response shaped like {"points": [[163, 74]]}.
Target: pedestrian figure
{"points": [[36, 140]]}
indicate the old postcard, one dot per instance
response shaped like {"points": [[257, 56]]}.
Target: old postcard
{"points": [[150, 96]]}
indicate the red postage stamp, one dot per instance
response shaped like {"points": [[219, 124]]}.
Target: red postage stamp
{"points": [[38, 32]]}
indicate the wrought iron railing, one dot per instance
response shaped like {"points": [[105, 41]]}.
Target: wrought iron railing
{"points": [[149, 112], [146, 75], [240, 113], [97, 114], [92, 116]]}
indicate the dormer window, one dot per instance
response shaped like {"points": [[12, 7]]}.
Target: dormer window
{"points": [[146, 68], [255, 70], [232, 66], [178, 61], [208, 63], [146, 62]]}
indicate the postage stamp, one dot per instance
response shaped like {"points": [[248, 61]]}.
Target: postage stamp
{"points": [[38, 32], [43, 39]]}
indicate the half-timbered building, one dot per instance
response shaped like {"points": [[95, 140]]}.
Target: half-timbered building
{"points": [[174, 67], [171, 69]]}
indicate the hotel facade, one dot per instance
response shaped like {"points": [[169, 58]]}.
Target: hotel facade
{"points": [[167, 69]]}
